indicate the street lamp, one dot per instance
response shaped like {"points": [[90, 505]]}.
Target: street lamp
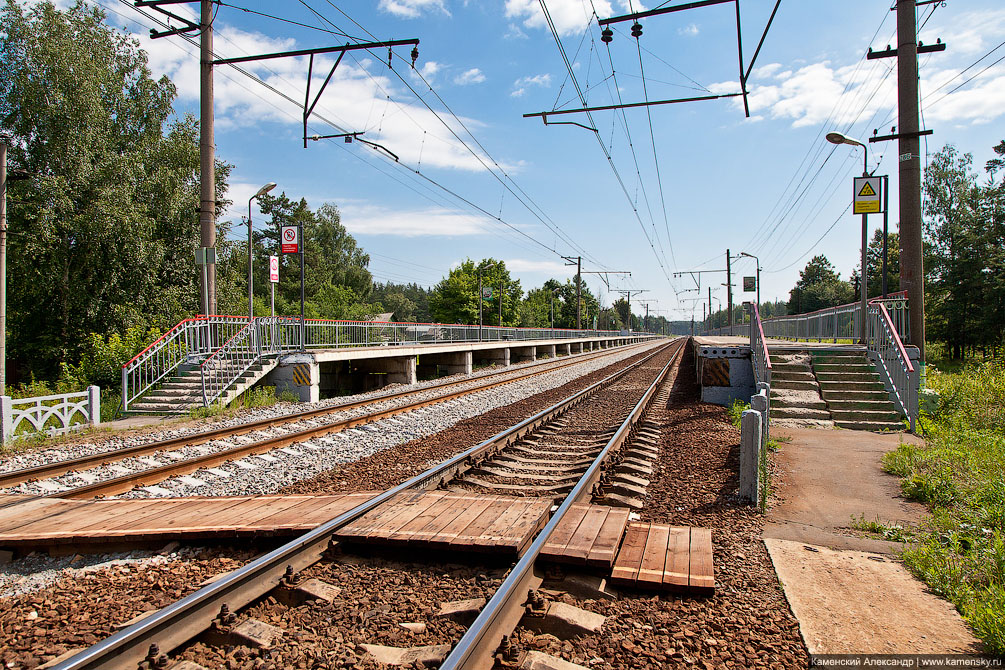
{"points": [[480, 269], [758, 261], [838, 138], [251, 288]]}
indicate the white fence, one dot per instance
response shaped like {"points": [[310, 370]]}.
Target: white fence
{"points": [[50, 414]]}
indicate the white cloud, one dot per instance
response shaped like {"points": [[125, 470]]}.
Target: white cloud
{"points": [[816, 92], [430, 69], [520, 85], [411, 9], [472, 76], [570, 16], [690, 30], [513, 32], [372, 220]]}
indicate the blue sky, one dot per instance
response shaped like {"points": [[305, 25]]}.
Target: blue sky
{"points": [[476, 179]]}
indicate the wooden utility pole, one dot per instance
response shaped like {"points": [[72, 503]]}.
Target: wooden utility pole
{"points": [[912, 272], [207, 154]]}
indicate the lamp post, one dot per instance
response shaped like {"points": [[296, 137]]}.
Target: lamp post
{"points": [[758, 261], [480, 269], [838, 138], [251, 287]]}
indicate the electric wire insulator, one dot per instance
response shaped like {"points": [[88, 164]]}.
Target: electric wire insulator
{"points": [[636, 30], [607, 35]]}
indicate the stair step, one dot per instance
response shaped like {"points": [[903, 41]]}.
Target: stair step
{"points": [[870, 425], [845, 394], [841, 404], [864, 415], [799, 413], [783, 403], [831, 386], [847, 376], [832, 359], [783, 384], [786, 375], [864, 366]]}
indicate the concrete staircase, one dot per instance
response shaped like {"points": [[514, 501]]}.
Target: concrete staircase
{"points": [[795, 394], [183, 391], [854, 392]]}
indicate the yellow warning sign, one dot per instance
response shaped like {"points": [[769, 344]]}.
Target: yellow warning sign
{"points": [[867, 192]]}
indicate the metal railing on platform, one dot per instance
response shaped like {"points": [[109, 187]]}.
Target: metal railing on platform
{"points": [[225, 347], [892, 361], [759, 348], [833, 323]]}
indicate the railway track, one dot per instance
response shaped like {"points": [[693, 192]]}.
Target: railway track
{"points": [[212, 608], [260, 436]]}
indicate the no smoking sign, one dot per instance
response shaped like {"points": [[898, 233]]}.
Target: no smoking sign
{"points": [[290, 236]]}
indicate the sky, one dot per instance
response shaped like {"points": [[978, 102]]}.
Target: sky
{"points": [[655, 191]]}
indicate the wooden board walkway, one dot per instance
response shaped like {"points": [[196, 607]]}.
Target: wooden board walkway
{"points": [[655, 556], [50, 521], [425, 519], [453, 521], [588, 535]]}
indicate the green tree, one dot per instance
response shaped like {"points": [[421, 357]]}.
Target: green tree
{"points": [[454, 298], [874, 257], [956, 283], [102, 235], [819, 287]]}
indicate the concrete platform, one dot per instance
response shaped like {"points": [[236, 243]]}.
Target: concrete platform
{"points": [[850, 593]]}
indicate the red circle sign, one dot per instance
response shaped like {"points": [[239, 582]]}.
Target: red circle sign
{"points": [[290, 234]]}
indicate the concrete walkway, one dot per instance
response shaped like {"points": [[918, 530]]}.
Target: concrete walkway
{"points": [[849, 592]]}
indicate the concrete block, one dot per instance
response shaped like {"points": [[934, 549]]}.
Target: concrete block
{"points": [[750, 454], [462, 611], [254, 633], [414, 627], [564, 621], [581, 585], [564, 349], [290, 377], [500, 356], [405, 656], [546, 350], [536, 660], [311, 589]]}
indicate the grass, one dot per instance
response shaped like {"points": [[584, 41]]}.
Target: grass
{"points": [[257, 396], [894, 533], [959, 473]]}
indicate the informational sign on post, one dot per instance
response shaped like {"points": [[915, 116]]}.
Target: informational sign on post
{"points": [[749, 284], [273, 269], [205, 256], [486, 292], [290, 240], [867, 195]]}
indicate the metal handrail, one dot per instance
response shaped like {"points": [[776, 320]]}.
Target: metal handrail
{"points": [[759, 348], [830, 323], [892, 361], [188, 340]]}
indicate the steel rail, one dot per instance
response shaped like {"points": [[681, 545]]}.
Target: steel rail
{"points": [[500, 616], [15, 477], [179, 622]]}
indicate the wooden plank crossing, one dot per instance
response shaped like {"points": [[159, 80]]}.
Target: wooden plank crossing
{"points": [[453, 521], [28, 521], [588, 535], [672, 558]]}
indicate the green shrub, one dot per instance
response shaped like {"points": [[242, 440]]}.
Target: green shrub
{"points": [[103, 357], [735, 412]]}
